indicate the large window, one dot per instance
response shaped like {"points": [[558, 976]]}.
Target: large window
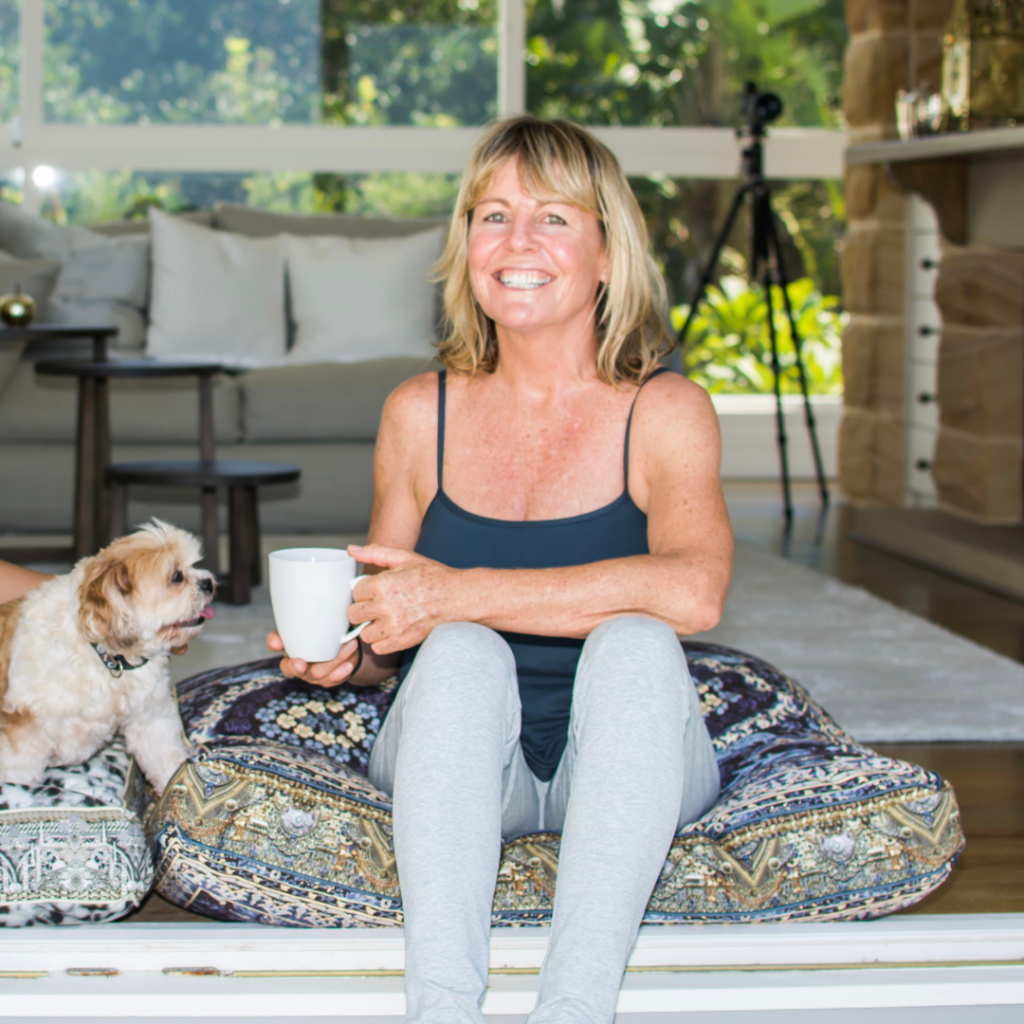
{"points": [[667, 62], [269, 62], [370, 106]]}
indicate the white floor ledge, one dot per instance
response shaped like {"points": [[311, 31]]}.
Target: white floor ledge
{"points": [[749, 450], [224, 972]]}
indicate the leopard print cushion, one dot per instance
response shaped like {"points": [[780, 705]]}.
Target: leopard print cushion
{"points": [[73, 850]]}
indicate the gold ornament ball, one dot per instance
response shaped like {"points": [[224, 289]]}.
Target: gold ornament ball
{"points": [[17, 310]]}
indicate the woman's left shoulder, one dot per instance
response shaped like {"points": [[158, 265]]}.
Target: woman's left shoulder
{"points": [[672, 398]]}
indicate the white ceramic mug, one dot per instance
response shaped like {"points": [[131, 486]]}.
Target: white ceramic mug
{"points": [[311, 591]]}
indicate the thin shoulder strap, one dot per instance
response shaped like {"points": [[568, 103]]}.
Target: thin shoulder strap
{"points": [[629, 422], [440, 428]]}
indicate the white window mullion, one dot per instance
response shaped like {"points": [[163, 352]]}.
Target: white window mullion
{"points": [[511, 57], [30, 89]]}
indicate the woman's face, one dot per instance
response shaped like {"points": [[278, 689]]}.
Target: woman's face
{"points": [[533, 264]]}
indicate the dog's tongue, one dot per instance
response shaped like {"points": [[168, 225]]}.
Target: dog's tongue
{"points": [[206, 613]]}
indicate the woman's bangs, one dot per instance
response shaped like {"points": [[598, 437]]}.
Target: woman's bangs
{"points": [[542, 176], [554, 181]]}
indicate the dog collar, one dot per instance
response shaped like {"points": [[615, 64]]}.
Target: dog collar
{"points": [[117, 663]]}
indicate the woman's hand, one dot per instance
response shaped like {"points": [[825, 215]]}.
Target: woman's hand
{"points": [[320, 673], [406, 601]]}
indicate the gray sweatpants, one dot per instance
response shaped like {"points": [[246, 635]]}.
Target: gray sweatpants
{"points": [[638, 766]]}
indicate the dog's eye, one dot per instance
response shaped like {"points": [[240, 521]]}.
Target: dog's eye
{"points": [[178, 577]]}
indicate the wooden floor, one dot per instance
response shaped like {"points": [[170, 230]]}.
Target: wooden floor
{"points": [[988, 777]]}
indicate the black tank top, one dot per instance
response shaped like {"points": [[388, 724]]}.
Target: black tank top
{"points": [[546, 665]]}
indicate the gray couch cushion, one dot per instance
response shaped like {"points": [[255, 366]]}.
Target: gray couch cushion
{"points": [[260, 223], [37, 278], [44, 409], [322, 401], [102, 280]]}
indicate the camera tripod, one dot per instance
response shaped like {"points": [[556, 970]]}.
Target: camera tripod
{"points": [[765, 259]]}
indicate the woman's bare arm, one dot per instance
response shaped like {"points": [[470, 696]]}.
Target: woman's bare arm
{"points": [[683, 581], [402, 492], [16, 581]]}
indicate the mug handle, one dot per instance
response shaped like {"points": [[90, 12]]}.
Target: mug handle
{"points": [[355, 631]]}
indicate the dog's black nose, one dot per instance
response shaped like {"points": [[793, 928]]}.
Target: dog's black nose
{"points": [[206, 586]]}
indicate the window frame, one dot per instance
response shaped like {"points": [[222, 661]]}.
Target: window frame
{"points": [[806, 153]]}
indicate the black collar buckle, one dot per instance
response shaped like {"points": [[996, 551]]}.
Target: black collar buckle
{"points": [[117, 664]]}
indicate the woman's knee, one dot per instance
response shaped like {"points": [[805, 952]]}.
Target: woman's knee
{"points": [[468, 642], [646, 645], [641, 650], [463, 656]]}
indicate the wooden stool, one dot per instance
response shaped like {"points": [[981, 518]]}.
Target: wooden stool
{"points": [[240, 478]]}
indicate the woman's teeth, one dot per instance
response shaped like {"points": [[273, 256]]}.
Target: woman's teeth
{"points": [[522, 279]]}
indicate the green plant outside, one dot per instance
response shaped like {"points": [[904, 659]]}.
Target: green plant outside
{"points": [[728, 347]]}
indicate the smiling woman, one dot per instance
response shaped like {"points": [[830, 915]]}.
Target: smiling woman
{"points": [[573, 223], [547, 522]]}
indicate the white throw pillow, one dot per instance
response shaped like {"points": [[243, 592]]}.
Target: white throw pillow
{"points": [[102, 280], [354, 299], [216, 296]]}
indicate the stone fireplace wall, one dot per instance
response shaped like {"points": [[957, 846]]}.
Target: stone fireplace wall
{"points": [[978, 455], [892, 43]]}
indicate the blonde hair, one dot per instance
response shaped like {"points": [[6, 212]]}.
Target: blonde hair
{"points": [[558, 159]]}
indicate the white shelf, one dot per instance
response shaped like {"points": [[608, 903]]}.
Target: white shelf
{"points": [[931, 147]]}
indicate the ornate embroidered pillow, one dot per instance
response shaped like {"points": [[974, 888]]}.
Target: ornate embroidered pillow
{"points": [[273, 828], [73, 850], [255, 703]]}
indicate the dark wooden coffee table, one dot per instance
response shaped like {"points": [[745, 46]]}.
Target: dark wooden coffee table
{"points": [[100, 335], [102, 489], [92, 505], [241, 480]]}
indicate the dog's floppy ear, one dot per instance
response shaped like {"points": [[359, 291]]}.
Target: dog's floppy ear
{"points": [[103, 614]]}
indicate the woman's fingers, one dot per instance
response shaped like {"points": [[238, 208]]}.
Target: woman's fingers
{"points": [[320, 673], [381, 555], [274, 641]]}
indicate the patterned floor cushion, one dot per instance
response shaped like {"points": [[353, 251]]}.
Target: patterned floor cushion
{"points": [[274, 820], [73, 849]]}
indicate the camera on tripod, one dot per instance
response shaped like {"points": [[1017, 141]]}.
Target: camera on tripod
{"points": [[765, 267], [758, 108]]}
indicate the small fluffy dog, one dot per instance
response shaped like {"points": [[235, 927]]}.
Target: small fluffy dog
{"points": [[86, 654]]}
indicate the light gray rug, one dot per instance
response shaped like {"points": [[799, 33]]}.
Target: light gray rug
{"points": [[883, 673]]}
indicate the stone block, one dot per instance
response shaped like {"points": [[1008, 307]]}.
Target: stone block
{"points": [[857, 454], [876, 15], [981, 379], [929, 14], [874, 363], [979, 477], [875, 66], [872, 264], [981, 289], [870, 195], [858, 363], [890, 455], [889, 369]]}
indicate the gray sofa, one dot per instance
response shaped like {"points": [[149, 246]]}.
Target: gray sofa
{"points": [[321, 417]]}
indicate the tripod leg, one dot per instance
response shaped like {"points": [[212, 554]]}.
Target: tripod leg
{"points": [[780, 420], [723, 237], [775, 252]]}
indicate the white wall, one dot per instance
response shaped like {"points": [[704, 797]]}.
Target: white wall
{"points": [[749, 450]]}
